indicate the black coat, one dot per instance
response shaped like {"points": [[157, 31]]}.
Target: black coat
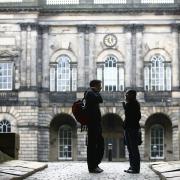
{"points": [[93, 99], [132, 115]]}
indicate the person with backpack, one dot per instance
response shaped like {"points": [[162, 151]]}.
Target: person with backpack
{"points": [[132, 130], [95, 143]]}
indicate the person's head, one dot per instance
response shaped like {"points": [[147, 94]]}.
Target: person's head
{"points": [[96, 85], [130, 95]]}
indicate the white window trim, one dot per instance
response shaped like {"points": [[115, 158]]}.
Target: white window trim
{"points": [[163, 142], [65, 158]]}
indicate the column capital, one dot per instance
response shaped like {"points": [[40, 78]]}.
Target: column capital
{"points": [[86, 28], [175, 27], [43, 29], [139, 27], [23, 26], [33, 26], [133, 28]]}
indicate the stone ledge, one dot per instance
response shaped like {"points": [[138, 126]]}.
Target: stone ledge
{"points": [[17, 169], [165, 170]]}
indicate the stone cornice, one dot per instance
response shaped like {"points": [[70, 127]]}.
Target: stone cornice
{"points": [[173, 8]]}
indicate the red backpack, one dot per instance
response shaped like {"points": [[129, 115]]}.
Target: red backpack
{"points": [[80, 114]]}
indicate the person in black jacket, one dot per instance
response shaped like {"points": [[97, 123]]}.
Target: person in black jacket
{"points": [[131, 128], [95, 145]]}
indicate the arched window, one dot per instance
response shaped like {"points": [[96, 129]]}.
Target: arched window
{"points": [[157, 142], [63, 73], [157, 74], [65, 142], [5, 126], [63, 77], [111, 74]]}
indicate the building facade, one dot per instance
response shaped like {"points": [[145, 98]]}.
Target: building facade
{"points": [[51, 49]]}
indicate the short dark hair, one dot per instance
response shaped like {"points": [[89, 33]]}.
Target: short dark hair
{"points": [[132, 92], [94, 82]]}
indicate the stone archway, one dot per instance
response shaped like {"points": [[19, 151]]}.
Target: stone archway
{"points": [[113, 134], [63, 138], [158, 137]]}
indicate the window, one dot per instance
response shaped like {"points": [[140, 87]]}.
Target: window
{"points": [[54, 2], [7, 1], [6, 76], [63, 76], [157, 142], [157, 74], [5, 126], [109, 2], [111, 75], [157, 1], [65, 142]]}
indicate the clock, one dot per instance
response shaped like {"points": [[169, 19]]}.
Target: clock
{"points": [[110, 40]]}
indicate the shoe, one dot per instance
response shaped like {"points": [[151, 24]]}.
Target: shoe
{"points": [[99, 169], [131, 171], [96, 170], [128, 169]]}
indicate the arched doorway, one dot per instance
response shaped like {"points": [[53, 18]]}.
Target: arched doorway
{"points": [[63, 138], [113, 134], [158, 137]]}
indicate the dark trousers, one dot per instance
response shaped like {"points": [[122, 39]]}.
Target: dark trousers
{"points": [[131, 140], [95, 148]]}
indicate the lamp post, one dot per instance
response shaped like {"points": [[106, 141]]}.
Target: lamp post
{"points": [[66, 151], [109, 152]]}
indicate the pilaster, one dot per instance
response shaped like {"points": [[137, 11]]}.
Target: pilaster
{"points": [[45, 56], [175, 57], [23, 54], [128, 30], [139, 59]]}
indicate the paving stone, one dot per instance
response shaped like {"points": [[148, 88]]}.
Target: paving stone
{"points": [[17, 169], [79, 171], [4, 176], [175, 174]]}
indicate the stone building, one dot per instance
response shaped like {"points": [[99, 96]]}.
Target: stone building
{"points": [[51, 49]]}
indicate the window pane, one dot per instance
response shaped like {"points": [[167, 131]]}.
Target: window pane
{"points": [[5, 126], [6, 76], [65, 142], [110, 74], [63, 74]]}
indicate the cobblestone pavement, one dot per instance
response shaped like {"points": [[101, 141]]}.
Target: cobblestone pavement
{"points": [[79, 171]]}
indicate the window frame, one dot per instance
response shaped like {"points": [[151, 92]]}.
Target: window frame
{"points": [[6, 123], [62, 128], [153, 127], [149, 67]]}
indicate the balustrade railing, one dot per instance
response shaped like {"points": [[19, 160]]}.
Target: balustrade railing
{"points": [[110, 1], [55, 2], [11, 1], [157, 1]]}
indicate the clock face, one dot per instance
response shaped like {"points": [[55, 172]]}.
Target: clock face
{"points": [[110, 40]]}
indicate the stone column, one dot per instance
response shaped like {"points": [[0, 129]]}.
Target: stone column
{"points": [[28, 53], [175, 58], [128, 62], [43, 144], [175, 143], [33, 56], [45, 57], [142, 146], [23, 54], [139, 58], [92, 63], [81, 58]]}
